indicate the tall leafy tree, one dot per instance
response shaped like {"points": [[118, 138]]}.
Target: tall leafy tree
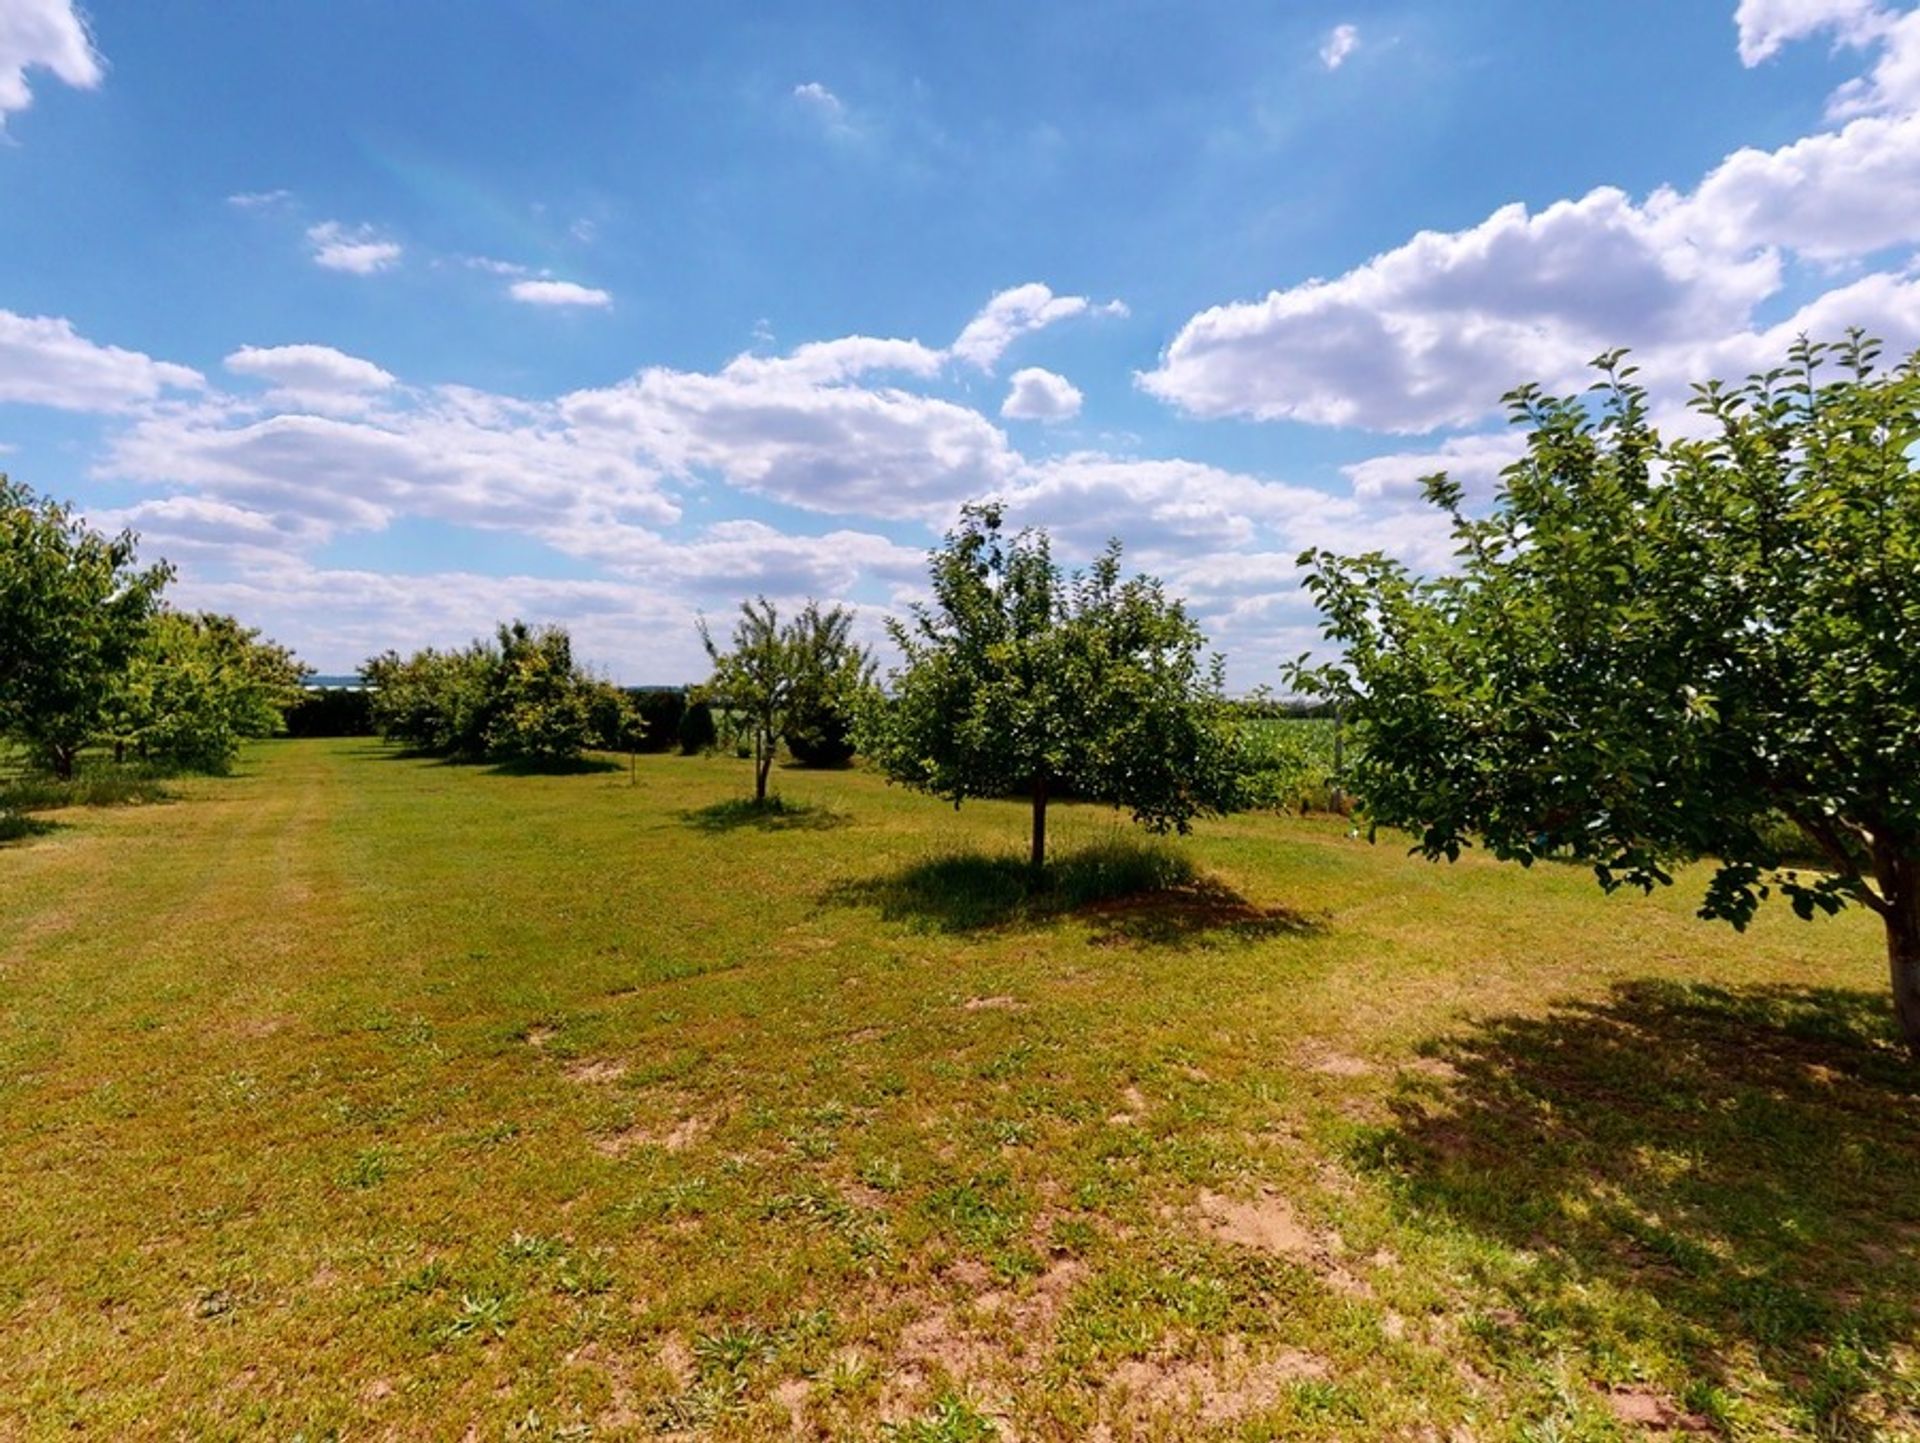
{"points": [[197, 686], [1019, 679], [74, 609], [1654, 651]]}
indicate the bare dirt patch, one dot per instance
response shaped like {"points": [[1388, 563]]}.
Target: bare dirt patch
{"points": [[1134, 1109], [674, 1138], [1436, 1068], [1645, 1409], [1270, 1224], [1210, 1391], [597, 1071], [991, 1004], [987, 1334], [1332, 1063]]}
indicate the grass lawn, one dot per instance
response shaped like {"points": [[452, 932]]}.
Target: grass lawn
{"points": [[364, 1097]]}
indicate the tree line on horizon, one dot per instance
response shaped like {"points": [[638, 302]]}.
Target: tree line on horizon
{"points": [[1652, 649]]}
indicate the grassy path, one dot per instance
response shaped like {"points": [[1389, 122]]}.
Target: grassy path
{"points": [[363, 1097]]}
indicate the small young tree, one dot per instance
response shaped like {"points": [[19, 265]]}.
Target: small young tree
{"points": [[1018, 679], [1653, 652], [74, 609], [776, 675]]}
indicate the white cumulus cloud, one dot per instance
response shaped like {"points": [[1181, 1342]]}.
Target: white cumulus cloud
{"points": [[1040, 395], [48, 35], [1430, 333], [307, 373], [44, 361], [1016, 312], [796, 428], [1765, 26]]}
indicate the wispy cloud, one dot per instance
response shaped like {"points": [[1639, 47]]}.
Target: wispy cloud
{"points": [[825, 107], [1341, 42], [358, 250], [259, 199], [558, 293]]}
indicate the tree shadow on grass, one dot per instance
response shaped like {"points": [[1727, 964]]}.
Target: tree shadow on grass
{"points": [[558, 767], [1733, 1170], [1130, 892], [566, 767], [17, 827], [775, 814]]}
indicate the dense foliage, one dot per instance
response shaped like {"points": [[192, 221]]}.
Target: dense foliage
{"points": [[91, 655], [75, 610], [698, 731], [1020, 679], [1654, 650], [797, 677], [518, 697], [661, 709], [830, 672], [195, 688]]}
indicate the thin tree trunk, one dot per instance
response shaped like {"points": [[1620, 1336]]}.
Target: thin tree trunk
{"points": [[62, 759], [1902, 890], [1038, 858], [762, 764]]}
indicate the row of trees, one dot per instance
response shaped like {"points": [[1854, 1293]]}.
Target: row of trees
{"points": [[1017, 680], [517, 697], [92, 655]]}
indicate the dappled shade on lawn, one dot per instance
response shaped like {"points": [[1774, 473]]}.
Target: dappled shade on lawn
{"points": [[1738, 1165], [1130, 891], [775, 814]]}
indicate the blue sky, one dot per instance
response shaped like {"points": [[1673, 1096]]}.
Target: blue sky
{"points": [[384, 321]]}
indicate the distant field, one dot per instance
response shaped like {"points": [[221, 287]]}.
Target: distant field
{"points": [[364, 1097]]}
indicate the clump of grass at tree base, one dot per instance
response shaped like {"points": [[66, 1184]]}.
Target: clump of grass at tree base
{"points": [[499, 1108], [97, 782]]}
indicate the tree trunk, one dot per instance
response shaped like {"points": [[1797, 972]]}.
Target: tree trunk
{"points": [[62, 759], [1902, 891], [1038, 858], [762, 764]]}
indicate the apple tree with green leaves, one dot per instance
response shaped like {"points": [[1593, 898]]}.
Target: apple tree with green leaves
{"points": [[75, 609], [1019, 679], [775, 675], [196, 687], [1658, 650]]}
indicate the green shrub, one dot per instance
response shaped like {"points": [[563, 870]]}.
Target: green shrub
{"points": [[662, 710]]}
